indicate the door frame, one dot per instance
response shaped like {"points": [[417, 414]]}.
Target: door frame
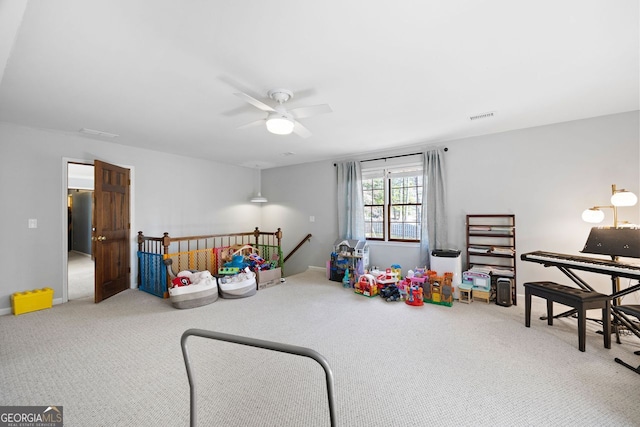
{"points": [[133, 257]]}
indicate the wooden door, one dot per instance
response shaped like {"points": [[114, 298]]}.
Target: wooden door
{"points": [[110, 230]]}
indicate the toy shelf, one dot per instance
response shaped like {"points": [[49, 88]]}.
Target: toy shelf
{"points": [[491, 243]]}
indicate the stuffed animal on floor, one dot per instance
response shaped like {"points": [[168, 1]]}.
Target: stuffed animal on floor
{"points": [[195, 278], [180, 281]]}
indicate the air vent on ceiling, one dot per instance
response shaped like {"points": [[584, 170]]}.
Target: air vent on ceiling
{"points": [[481, 116], [98, 133]]}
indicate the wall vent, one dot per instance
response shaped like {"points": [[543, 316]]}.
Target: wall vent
{"points": [[98, 133], [481, 116]]}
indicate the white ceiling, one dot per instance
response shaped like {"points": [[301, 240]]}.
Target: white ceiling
{"points": [[162, 73]]}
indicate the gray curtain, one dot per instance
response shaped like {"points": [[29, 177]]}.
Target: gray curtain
{"points": [[434, 217], [350, 201]]}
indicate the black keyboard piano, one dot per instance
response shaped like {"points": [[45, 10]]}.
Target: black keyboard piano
{"points": [[594, 265], [612, 242]]}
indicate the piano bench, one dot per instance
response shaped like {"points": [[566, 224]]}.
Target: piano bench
{"points": [[581, 300]]}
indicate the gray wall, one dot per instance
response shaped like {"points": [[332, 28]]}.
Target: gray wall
{"points": [[546, 176], [81, 219], [295, 194], [181, 195]]}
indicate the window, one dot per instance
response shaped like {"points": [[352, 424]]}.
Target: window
{"points": [[392, 203], [373, 195]]}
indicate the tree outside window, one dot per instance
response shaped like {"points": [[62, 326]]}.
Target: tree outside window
{"points": [[393, 204]]}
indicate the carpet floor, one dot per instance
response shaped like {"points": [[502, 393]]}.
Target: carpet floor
{"points": [[120, 363]]}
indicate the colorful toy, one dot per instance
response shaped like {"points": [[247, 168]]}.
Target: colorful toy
{"points": [[390, 293], [419, 272], [257, 259], [360, 268], [237, 262], [440, 289], [180, 281], [414, 295], [481, 284], [228, 270], [447, 288], [402, 286], [396, 268], [388, 278], [420, 281], [366, 286], [346, 280]]}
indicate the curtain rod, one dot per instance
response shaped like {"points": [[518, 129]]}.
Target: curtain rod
{"points": [[393, 157], [390, 157]]}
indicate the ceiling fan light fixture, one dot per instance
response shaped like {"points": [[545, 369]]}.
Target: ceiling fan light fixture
{"points": [[280, 125]]}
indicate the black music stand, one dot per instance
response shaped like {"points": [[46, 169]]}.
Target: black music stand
{"points": [[616, 242], [632, 310]]}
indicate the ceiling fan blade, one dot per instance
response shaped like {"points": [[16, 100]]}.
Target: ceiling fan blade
{"points": [[251, 100], [314, 110], [252, 124], [301, 131]]}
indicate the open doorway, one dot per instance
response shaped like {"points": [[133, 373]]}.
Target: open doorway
{"points": [[80, 261]]}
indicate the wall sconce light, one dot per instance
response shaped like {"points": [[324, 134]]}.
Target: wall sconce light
{"points": [[618, 198], [259, 199]]}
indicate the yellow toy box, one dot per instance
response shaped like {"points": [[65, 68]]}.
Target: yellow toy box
{"points": [[28, 301]]}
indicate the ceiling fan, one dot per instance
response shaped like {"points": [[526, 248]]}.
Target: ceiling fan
{"points": [[279, 120]]}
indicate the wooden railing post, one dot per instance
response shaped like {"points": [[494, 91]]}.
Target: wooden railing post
{"points": [[166, 241], [256, 235]]}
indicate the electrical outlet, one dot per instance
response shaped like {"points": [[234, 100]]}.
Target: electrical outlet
{"points": [[312, 218]]}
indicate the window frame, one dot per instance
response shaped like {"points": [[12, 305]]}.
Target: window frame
{"points": [[387, 173]]}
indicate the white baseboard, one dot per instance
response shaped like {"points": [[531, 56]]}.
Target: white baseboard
{"points": [[9, 310]]}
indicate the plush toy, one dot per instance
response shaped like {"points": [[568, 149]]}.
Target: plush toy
{"points": [[201, 277], [193, 278], [180, 281]]}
